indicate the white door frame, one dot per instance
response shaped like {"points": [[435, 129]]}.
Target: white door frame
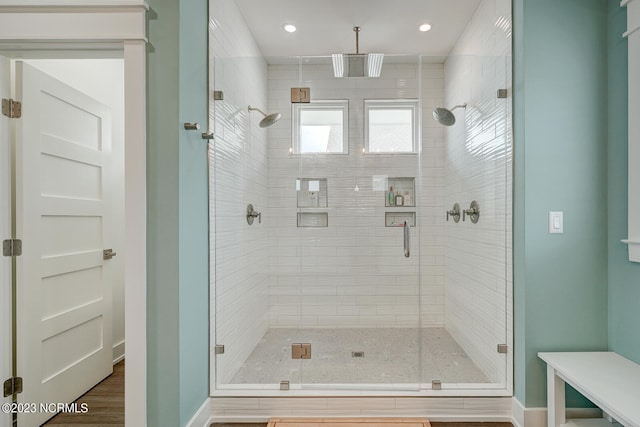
{"points": [[103, 28], [5, 233]]}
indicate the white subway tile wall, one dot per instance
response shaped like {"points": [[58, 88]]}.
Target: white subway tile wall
{"points": [[478, 167], [353, 273], [239, 252]]}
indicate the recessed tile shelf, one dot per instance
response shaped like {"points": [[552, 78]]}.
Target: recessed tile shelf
{"points": [[403, 186], [311, 192], [397, 219], [313, 219]]}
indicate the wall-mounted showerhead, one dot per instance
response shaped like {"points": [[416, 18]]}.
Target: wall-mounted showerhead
{"points": [[268, 119], [444, 116]]}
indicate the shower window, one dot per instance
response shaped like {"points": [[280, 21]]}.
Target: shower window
{"points": [[391, 126], [320, 127]]}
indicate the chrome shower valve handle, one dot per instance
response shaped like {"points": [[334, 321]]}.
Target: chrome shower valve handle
{"points": [[454, 213], [473, 212], [253, 214]]}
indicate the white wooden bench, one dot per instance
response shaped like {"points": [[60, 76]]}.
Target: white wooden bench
{"points": [[607, 379]]}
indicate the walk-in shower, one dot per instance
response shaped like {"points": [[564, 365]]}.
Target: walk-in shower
{"points": [[319, 296]]}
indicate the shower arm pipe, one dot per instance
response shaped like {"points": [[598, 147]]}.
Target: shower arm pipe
{"points": [[257, 109], [460, 106]]}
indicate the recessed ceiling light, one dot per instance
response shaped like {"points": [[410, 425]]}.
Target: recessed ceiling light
{"points": [[289, 28], [425, 27]]}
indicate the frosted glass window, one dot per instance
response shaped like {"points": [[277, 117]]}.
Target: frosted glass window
{"points": [[320, 127], [391, 126]]}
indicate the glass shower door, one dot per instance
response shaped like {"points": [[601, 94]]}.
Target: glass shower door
{"points": [[353, 156], [249, 292]]}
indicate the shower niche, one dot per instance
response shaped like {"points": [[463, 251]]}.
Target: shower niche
{"points": [[397, 219], [311, 192], [403, 187]]}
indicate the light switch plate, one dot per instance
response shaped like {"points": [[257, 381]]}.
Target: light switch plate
{"points": [[556, 223]]}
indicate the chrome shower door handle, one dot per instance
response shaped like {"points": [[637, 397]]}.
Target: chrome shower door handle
{"points": [[407, 249]]}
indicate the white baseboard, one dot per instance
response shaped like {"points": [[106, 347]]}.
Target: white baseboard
{"points": [[118, 352], [203, 417], [517, 413], [537, 417]]}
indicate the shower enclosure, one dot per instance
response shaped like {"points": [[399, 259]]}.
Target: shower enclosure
{"points": [[339, 260]]}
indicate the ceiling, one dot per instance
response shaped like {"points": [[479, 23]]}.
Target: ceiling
{"points": [[326, 26]]}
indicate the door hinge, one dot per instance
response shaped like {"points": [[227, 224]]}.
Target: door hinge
{"points": [[12, 247], [12, 386], [107, 254], [219, 349], [301, 351], [502, 348], [11, 108], [300, 95]]}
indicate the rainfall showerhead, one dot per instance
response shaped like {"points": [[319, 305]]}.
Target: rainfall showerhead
{"points": [[444, 116], [268, 119], [357, 64]]}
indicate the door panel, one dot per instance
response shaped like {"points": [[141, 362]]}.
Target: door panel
{"points": [[359, 269], [64, 319]]}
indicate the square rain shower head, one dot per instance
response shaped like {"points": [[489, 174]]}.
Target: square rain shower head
{"points": [[357, 64]]}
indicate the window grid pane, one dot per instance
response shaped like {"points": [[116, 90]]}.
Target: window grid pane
{"points": [[390, 130], [320, 128], [321, 131], [391, 126]]}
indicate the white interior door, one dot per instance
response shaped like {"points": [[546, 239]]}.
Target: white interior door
{"points": [[63, 216], [5, 233]]}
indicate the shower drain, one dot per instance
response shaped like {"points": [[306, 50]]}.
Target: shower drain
{"points": [[357, 354]]}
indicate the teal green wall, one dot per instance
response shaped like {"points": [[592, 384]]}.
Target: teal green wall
{"points": [[177, 217], [560, 131], [624, 276], [162, 216], [569, 74], [194, 214]]}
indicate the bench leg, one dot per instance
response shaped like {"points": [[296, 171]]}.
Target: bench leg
{"points": [[555, 399]]}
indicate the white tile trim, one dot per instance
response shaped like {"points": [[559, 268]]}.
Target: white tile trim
{"points": [[470, 409], [366, 391]]}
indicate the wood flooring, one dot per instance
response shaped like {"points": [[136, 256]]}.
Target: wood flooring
{"points": [[105, 402]]}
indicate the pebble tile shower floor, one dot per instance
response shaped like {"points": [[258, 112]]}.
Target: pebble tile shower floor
{"points": [[390, 357]]}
